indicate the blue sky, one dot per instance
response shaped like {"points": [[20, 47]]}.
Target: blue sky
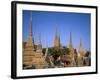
{"points": [[46, 23]]}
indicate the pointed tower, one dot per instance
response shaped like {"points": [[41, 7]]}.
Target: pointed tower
{"points": [[33, 59], [39, 46], [46, 52], [71, 51], [70, 43], [56, 40], [39, 59], [81, 51], [28, 51], [30, 41], [80, 54], [59, 41]]}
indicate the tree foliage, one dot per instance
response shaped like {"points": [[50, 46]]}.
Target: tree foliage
{"points": [[57, 51], [87, 54]]}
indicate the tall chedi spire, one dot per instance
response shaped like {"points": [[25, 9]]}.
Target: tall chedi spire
{"points": [[30, 41], [29, 47], [56, 40], [81, 51], [46, 52], [30, 24], [39, 46], [34, 59], [80, 54], [70, 43], [71, 51]]}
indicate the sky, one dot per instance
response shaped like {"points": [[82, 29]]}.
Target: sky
{"points": [[46, 22]]}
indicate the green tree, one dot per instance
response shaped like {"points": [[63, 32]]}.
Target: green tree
{"points": [[87, 54]]}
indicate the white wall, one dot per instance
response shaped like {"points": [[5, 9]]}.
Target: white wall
{"points": [[5, 40]]}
